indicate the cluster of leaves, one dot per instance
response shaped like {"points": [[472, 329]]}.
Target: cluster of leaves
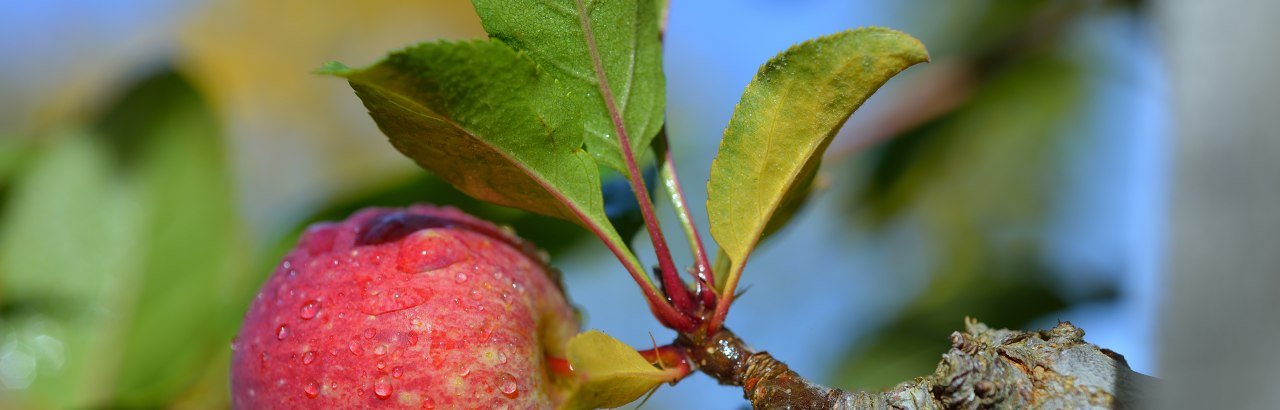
{"points": [[563, 89]]}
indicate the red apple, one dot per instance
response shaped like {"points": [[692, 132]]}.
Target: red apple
{"points": [[404, 308]]}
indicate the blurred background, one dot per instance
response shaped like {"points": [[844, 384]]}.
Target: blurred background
{"points": [[1104, 162]]}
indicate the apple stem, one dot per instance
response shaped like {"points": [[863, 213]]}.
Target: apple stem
{"points": [[669, 357]]}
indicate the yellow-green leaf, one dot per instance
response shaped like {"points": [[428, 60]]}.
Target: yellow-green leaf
{"points": [[785, 120], [613, 374]]}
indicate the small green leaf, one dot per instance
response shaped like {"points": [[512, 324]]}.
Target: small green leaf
{"points": [[571, 39], [787, 117], [613, 374]]}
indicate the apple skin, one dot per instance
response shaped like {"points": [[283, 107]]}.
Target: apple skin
{"points": [[421, 307]]}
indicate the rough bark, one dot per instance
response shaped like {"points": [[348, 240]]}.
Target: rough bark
{"points": [[985, 368]]}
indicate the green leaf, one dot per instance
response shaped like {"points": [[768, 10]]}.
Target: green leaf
{"points": [[613, 374], [594, 49], [176, 159], [485, 118], [785, 120], [69, 250]]}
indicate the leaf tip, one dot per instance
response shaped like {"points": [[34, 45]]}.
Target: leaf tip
{"points": [[911, 48], [334, 68]]}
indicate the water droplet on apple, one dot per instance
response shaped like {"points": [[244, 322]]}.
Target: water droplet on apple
{"points": [[308, 357], [461, 277], [382, 389], [381, 365], [312, 389], [369, 333], [380, 350], [397, 372], [355, 348], [309, 310], [282, 332], [507, 384]]}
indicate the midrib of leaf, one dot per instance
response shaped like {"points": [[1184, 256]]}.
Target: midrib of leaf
{"points": [[679, 298], [602, 80], [773, 125]]}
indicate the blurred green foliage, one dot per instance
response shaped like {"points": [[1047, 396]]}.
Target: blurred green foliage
{"points": [[121, 257], [978, 180]]}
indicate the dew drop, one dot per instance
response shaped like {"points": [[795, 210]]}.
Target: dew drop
{"points": [[312, 389], [282, 332], [382, 389], [308, 357], [380, 350], [369, 333], [502, 358], [475, 294], [462, 277], [507, 384], [381, 365], [397, 372], [354, 348], [309, 310], [233, 343]]}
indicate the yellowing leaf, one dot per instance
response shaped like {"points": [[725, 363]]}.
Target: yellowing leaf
{"points": [[785, 120], [613, 374]]}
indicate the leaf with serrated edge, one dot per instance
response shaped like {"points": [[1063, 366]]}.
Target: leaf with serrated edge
{"points": [[568, 38], [612, 373], [785, 120]]}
